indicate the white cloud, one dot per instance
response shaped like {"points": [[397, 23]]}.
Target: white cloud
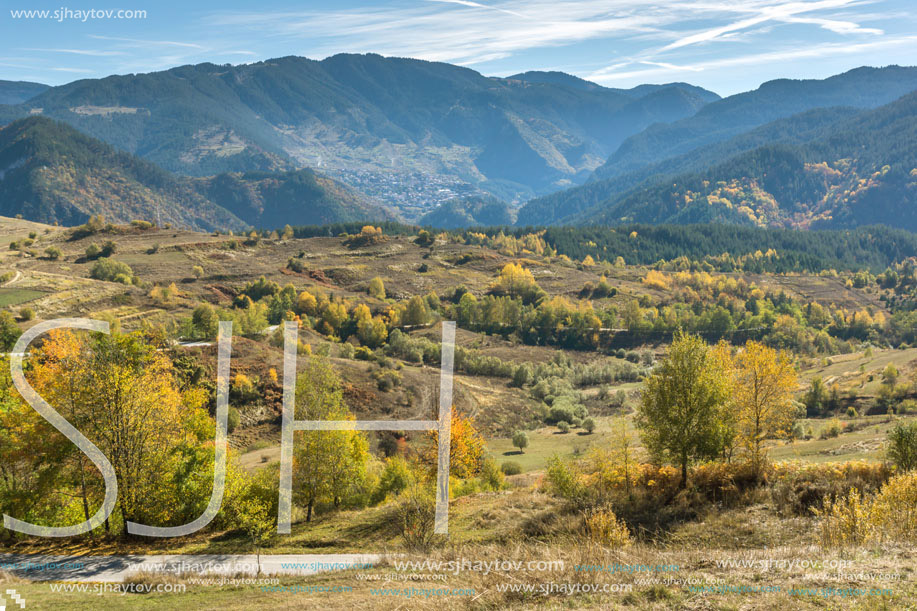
{"points": [[782, 12], [613, 73], [141, 42], [90, 52]]}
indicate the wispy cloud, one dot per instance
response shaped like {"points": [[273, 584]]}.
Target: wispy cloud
{"points": [[141, 42], [472, 32], [786, 12], [459, 31], [481, 6], [616, 72], [90, 52]]}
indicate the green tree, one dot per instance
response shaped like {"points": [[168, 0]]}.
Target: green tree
{"points": [[681, 405], [816, 397], [376, 288], [417, 312], [205, 322], [901, 450], [328, 465], [521, 441], [9, 331]]}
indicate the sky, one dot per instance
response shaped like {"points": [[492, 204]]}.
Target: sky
{"points": [[727, 46]]}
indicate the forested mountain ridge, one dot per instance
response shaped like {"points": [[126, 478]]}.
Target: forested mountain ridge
{"points": [[861, 88], [363, 111], [16, 92], [561, 207], [861, 171], [469, 212], [51, 173]]}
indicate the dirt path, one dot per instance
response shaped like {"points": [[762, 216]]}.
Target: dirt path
{"points": [[15, 279]]}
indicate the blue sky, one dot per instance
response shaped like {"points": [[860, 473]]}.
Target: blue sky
{"points": [[725, 45]]}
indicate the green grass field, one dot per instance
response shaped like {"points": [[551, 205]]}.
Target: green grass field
{"points": [[11, 297]]}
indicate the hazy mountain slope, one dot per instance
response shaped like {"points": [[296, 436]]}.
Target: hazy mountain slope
{"points": [[565, 205], [469, 212], [366, 112], [16, 92], [49, 172], [300, 197], [718, 121], [862, 171], [574, 82]]}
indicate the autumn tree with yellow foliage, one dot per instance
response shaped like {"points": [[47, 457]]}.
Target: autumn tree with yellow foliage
{"points": [[515, 281], [763, 382]]}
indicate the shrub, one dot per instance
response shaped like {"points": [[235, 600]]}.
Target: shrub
{"points": [[109, 270], [387, 379], [297, 265], [564, 481], [396, 477], [604, 527], [511, 468], [197, 271], [415, 517], [376, 288], [93, 251], [855, 519], [852, 412], [563, 426], [833, 429], [26, 314], [845, 520], [233, 420], [54, 253], [362, 353], [798, 490], [901, 450], [491, 476], [589, 425]]}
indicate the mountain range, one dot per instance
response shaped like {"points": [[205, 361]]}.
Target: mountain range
{"points": [[515, 137], [804, 111], [230, 147]]}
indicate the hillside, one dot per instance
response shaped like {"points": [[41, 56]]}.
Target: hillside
{"points": [[16, 92], [300, 197], [469, 212], [718, 121], [51, 173], [564, 206], [862, 170], [363, 112]]}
